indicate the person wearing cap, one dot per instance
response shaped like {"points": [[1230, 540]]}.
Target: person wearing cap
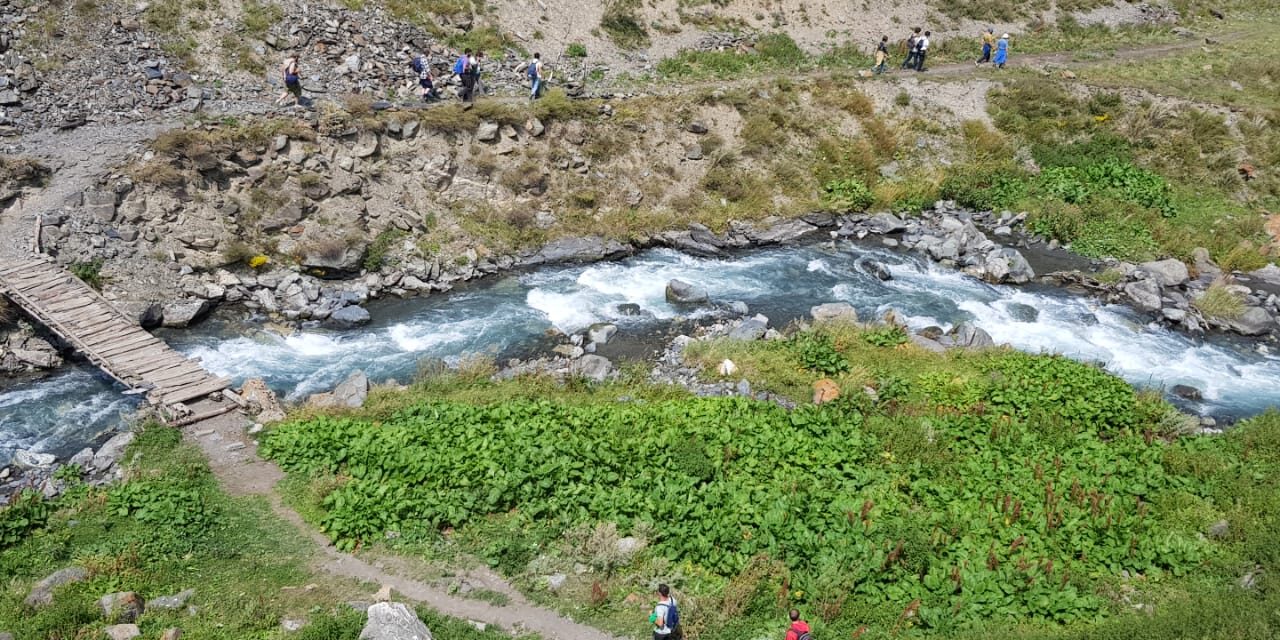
{"points": [[1002, 52]]}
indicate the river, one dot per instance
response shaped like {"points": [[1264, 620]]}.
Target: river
{"points": [[511, 314]]}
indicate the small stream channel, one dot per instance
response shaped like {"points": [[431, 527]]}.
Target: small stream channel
{"points": [[509, 315]]}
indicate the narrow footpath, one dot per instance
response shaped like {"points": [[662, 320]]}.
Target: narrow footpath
{"points": [[233, 457]]}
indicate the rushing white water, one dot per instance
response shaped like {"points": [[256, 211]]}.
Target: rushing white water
{"points": [[514, 312]]}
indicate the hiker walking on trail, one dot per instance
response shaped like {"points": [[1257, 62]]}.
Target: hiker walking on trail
{"points": [[292, 81], [910, 61], [922, 50], [799, 629], [1002, 51], [476, 86], [666, 616], [462, 71], [535, 76], [988, 44], [426, 81], [882, 55]]}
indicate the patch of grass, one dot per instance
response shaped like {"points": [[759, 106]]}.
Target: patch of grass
{"points": [[575, 50], [623, 26], [89, 272], [1219, 302], [772, 52]]}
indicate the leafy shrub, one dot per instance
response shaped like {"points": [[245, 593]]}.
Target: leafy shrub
{"points": [[375, 256], [985, 187], [1063, 183], [887, 336], [816, 352], [903, 99], [89, 272], [576, 50], [1132, 184], [27, 511], [1079, 395], [178, 514], [1119, 237], [849, 194]]}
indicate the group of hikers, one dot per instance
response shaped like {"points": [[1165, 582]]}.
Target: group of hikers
{"points": [[917, 48], [665, 619], [466, 71]]}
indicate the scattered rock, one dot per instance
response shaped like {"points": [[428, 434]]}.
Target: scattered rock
{"points": [[123, 631], [173, 602], [352, 391], [259, 395], [1007, 265], [488, 132], [172, 633], [750, 329], [122, 606], [111, 451], [834, 312], [927, 344], [556, 581], [349, 317], [1218, 529], [629, 309], [1145, 294], [825, 390], [42, 592], [681, 292], [182, 314], [1255, 321], [727, 368], [1186, 391], [696, 127], [1167, 273], [393, 621], [970, 336], [592, 367], [601, 333], [884, 223], [693, 152]]}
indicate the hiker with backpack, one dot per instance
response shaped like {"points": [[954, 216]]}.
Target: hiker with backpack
{"points": [[882, 55], [666, 616], [426, 81], [534, 72], [922, 50], [462, 71], [799, 629], [292, 81], [910, 61]]}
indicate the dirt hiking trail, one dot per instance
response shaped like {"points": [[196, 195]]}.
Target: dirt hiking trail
{"points": [[234, 460]]}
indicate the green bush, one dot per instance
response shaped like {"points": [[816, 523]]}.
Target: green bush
{"points": [[985, 187], [886, 336], [1060, 389], [576, 50], [26, 512], [622, 24], [816, 352], [849, 194], [89, 272]]}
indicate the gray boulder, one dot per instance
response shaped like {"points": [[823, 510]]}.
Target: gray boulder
{"points": [[750, 329], [488, 132], [886, 223], [330, 257], [173, 602], [969, 336], [584, 249], [393, 621], [1186, 391], [681, 292], [122, 631], [601, 333], [122, 606], [834, 312], [785, 231], [182, 314], [1255, 321], [1145, 294], [112, 450], [1007, 265], [42, 592], [349, 317], [352, 391], [1168, 273], [927, 344], [878, 270], [592, 367]]}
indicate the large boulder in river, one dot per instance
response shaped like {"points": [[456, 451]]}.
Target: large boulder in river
{"points": [[584, 249], [393, 621], [1255, 321], [681, 292], [834, 312], [886, 223], [1145, 294], [183, 313], [1007, 265], [970, 336], [349, 317], [1167, 273]]}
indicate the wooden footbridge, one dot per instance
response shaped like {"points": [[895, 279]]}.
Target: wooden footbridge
{"points": [[92, 326]]}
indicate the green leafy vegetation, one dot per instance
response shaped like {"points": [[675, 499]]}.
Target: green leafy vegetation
{"points": [[849, 194], [622, 25], [993, 490], [772, 52], [89, 272]]}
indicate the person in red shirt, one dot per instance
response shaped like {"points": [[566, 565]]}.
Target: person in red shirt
{"points": [[799, 629]]}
